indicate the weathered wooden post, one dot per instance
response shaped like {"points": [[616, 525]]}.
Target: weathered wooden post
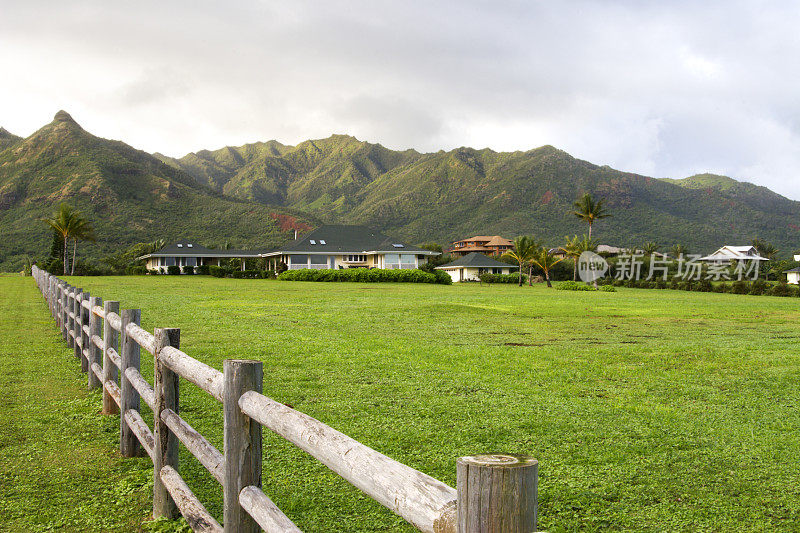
{"points": [[129, 397], [242, 446], [94, 351], [76, 321], [85, 297], [166, 443], [497, 492], [110, 340], [69, 311], [65, 312]]}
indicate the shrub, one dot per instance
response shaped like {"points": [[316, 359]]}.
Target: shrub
{"points": [[781, 289], [499, 278], [154, 272], [187, 269], [758, 287], [366, 276], [216, 271], [607, 288], [136, 270], [740, 287], [204, 270], [576, 286], [703, 285], [173, 270]]}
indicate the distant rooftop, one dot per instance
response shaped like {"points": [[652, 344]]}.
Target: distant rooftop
{"points": [[340, 238]]}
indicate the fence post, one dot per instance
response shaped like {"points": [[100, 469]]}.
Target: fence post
{"points": [[62, 310], [242, 446], [85, 297], [76, 322], [129, 397], [110, 340], [497, 492], [70, 321], [94, 351], [166, 444]]}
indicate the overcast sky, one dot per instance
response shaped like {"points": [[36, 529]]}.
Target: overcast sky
{"points": [[661, 88]]}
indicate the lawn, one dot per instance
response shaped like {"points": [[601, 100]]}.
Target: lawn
{"points": [[647, 409]]}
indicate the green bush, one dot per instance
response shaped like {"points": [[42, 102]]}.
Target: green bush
{"points": [[154, 272], [703, 285], [173, 270], [186, 269], [781, 289], [576, 286], [216, 271], [365, 276], [203, 270], [740, 287], [136, 270], [500, 278], [607, 288], [758, 287]]}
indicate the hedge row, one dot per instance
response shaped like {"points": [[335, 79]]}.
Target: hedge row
{"points": [[502, 278], [757, 287], [580, 286], [367, 276]]}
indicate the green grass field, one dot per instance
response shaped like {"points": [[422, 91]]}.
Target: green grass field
{"points": [[647, 409]]}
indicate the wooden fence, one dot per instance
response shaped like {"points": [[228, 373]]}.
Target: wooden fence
{"points": [[495, 493]]}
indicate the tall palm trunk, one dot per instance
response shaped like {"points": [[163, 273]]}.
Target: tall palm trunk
{"points": [[520, 275], [575, 268], [590, 231], [547, 277], [74, 253], [66, 256]]}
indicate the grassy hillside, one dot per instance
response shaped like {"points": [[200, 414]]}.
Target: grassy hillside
{"points": [[446, 195], [128, 195], [637, 426]]}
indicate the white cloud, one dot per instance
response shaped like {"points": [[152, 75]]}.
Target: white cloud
{"points": [[659, 88]]}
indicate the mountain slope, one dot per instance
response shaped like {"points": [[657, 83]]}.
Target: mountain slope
{"points": [[7, 138], [128, 195], [447, 195]]}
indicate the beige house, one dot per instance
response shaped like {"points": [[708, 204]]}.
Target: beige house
{"points": [[188, 253], [342, 246], [793, 275], [471, 266]]}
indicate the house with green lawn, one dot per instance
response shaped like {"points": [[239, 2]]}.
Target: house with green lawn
{"points": [[342, 246], [471, 266]]}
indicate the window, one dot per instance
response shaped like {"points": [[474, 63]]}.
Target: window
{"points": [[189, 245], [191, 261], [391, 261], [358, 258], [312, 241], [170, 261], [180, 245], [322, 241], [398, 245], [298, 259], [319, 259]]}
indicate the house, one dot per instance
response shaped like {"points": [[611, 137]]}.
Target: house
{"points": [[489, 245], [793, 274], [472, 265], [341, 246], [189, 253], [728, 254]]}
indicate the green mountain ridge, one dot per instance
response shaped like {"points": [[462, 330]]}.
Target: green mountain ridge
{"points": [[447, 195], [128, 195]]}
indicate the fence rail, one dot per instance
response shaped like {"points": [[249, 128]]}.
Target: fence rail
{"points": [[495, 492]]}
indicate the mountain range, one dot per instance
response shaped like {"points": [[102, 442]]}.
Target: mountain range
{"points": [[256, 195]]}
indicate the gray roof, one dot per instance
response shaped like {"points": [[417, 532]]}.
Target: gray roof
{"points": [[192, 249], [476, 260], [337, 238], [795, 269]]}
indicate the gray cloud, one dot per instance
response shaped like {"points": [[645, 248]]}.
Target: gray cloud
{"points": [[659, 88]]}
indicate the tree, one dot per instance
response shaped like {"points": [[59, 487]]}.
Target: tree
{"points": [[650, 248], [590, 211], [542, 258], [81, 230], [765, 249], [574, 247], [679, 249], [521, 253], [63, 223]]}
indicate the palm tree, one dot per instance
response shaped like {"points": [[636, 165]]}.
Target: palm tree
{"points": [[679, 249], [63, 223], [589, 211], [574, 247], [546, 261], [765, 249], [650, 248], [81, 231], [521, 253]]}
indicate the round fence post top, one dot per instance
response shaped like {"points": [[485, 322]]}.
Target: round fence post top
{"points": [[499, 460]]}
